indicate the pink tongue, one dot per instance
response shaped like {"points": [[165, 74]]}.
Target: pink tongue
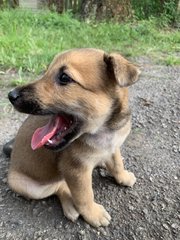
{"points": [[43, 134]]}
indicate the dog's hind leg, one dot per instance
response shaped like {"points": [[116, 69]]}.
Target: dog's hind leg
{"points": [[116, 167], [7, 148], [32, 189], [29, 187]]}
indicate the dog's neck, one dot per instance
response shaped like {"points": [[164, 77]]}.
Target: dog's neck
{"points": [[107, 138], [119, 116], [107, 135], [103, 138]]}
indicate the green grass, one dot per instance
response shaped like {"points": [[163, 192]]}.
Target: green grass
{"points": [[29, 40]]}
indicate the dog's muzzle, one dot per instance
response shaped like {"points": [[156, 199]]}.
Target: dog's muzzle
{"points": [[62, 129], [23, 99]]}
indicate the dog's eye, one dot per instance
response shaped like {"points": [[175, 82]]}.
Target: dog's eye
{"points": [[64, 79]]}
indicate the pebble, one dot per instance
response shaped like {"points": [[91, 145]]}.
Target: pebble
{"points": [[175, 148], [145, 211], [4, 180], [165, 226], [151, 179], [163, 206], [82, 232], [164, 125], [175, 226], [50, 209], [8, 235], [131, 208], [102, 172], [1, 224], [37, 235], [35, 211], [102, 230]]}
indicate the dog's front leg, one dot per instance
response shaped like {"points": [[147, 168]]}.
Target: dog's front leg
{"points": [[79, 180], [116, 167]]}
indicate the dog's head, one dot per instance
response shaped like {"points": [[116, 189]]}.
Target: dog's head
{"points": [[83, 89]]}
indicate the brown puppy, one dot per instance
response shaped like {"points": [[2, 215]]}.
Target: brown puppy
{"points": [[79, 119]]}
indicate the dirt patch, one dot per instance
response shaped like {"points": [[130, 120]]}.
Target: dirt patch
{"points": [[148, 211]]}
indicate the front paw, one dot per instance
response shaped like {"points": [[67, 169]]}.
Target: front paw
{"points": [[96, 215], [69, 210], [126, 178]]}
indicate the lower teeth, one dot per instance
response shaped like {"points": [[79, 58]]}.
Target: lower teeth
{"points": [[57, 137]]}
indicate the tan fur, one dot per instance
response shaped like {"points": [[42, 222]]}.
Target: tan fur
{"points": [[100, 100]]}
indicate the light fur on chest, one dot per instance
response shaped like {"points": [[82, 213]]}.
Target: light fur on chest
{"points": [[107, 140]]}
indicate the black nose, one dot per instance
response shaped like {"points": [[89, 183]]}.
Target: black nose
{"points": [[13, 95]]}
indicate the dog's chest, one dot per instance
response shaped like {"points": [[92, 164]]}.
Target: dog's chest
{"points": [[105, 140]]}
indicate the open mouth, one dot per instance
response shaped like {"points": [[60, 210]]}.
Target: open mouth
{"points": [[57, 133]]}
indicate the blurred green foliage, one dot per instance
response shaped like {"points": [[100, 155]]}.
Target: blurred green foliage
{"points": [[166, 10], [29, 40]]}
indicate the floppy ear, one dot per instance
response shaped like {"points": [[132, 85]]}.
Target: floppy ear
{"points": [[125, 73]]}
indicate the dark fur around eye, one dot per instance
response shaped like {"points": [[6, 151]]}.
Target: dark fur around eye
{"points": [[63, 79]]}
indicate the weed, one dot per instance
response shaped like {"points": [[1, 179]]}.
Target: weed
{"points": [[171, 60], [19, 80]]}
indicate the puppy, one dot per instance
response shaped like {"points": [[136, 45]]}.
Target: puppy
{"points": [[79, 117]]}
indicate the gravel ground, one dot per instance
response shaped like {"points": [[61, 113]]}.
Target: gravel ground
{"points": [[150, 210]]}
